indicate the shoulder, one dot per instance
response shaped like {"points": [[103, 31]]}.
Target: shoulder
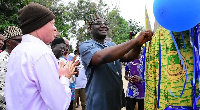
{"points": [[87, 44], [110, 43], [33, 50]]}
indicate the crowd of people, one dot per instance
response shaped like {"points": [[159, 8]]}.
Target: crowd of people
{"points": [[37, 71]]}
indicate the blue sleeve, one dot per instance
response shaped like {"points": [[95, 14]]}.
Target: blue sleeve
{"points": [[87, 50]]}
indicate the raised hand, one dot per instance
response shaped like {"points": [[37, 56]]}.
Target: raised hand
{"points": [[144, 36]]}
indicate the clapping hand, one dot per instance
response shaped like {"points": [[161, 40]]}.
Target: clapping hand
{"points": [[76, 63], [67, 69]]}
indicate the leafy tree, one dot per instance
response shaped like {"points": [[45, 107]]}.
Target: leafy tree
{"points": [[79, 13], [70, 18], [120, 28], [135, 26], [9, 13]]}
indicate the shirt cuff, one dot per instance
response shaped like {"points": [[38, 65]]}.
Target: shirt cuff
{"points": [[64, 80]]}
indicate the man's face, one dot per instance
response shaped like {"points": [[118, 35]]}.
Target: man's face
{"points": [[59, 49], [99, 28], [47, 32], [1, 41]]}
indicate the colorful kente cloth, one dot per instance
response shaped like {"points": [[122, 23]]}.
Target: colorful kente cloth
{"points": [[172, 71]]}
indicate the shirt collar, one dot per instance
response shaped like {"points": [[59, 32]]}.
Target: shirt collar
{"points": [[31, 38]]}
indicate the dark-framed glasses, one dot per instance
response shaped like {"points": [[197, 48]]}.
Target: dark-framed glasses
{"points": [[101, 23]]}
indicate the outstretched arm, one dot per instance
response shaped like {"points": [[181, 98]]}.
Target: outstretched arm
{"points": [[126, 51]]}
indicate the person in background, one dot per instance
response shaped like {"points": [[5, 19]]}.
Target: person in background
{"points": [[67, 57], [101, 60], [12, 37], [80, 84], [66, 54], [34, 81], [133, 73], [58, 47], [135, 90], [1, 43]]}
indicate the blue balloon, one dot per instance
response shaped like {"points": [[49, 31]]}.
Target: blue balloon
{"points": [[177, 15]]}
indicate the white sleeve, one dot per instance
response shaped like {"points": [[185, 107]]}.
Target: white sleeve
{"points": [[55, 92], [65, 82]]}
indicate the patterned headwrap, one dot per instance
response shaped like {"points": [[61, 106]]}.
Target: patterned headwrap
{"points": [[12, 31], [93, 17]]}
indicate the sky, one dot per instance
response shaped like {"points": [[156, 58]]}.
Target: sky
{"points": [[130, 9]]}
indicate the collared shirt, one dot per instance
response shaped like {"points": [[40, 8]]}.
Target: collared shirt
{"points": [[32, 79], [104, 82]]}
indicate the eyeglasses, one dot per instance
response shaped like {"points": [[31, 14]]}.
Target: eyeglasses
{"points": [[17, 40], [100, 23]]}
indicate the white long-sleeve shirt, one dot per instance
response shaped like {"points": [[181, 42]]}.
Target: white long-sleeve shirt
{"points": [[32, 80]]}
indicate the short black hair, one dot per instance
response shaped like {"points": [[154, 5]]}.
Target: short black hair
{"points": [[57, 41]]}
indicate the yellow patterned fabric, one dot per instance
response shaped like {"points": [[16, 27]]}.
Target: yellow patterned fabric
{"points": [[172, 71]]}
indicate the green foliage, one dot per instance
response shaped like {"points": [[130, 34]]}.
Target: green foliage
{"points": [[8, 13], [70, 18], [120, 28], [9, 10], [78, 13]]}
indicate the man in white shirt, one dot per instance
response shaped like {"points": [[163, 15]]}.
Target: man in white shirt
{"points": [[81, 82], [33, 79]]}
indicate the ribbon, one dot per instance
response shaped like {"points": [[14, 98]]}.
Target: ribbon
{"points": [[158, 104], [178, 108], [196, 59], [179, 54], [195, 45], [143, 70]]}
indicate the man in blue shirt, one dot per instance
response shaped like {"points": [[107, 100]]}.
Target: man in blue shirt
{"points": [[101, 60]]}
